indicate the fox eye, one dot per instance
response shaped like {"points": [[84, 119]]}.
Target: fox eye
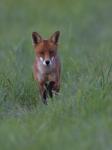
{"points": [[51, 52], [41, 53]]}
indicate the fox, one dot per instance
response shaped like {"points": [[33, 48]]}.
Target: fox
{"points": [[47, 66]]}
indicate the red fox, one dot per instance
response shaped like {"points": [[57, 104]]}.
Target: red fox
{"points": [[47, 67]]}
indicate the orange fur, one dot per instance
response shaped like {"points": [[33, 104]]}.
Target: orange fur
{"points": [[47, 65]]}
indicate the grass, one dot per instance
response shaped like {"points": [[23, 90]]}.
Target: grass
{"points": [[81, 116]]}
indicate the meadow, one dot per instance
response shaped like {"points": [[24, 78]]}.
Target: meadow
{"points": [[80, 117]]}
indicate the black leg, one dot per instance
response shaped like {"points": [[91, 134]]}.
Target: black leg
{"points": [[44, 97], [50, 88]]}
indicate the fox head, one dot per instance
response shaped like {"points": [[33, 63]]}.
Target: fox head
{"points": [[46, 50]]}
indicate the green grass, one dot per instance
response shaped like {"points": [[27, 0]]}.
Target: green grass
{"points": [[80, 118]]}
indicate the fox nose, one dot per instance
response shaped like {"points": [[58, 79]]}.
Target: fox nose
{"points": [[47, 62]]}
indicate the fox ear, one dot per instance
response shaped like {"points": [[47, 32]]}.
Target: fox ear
{"points": [[55, 37], [36, 38]]}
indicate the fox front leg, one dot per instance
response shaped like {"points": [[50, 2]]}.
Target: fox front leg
{"points": [[43, 92], [53, 87]]}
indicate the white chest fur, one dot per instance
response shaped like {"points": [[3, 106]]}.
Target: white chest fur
{"points": [[45, 72]]}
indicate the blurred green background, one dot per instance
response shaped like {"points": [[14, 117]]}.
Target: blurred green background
{"points": [[81, 116]]}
